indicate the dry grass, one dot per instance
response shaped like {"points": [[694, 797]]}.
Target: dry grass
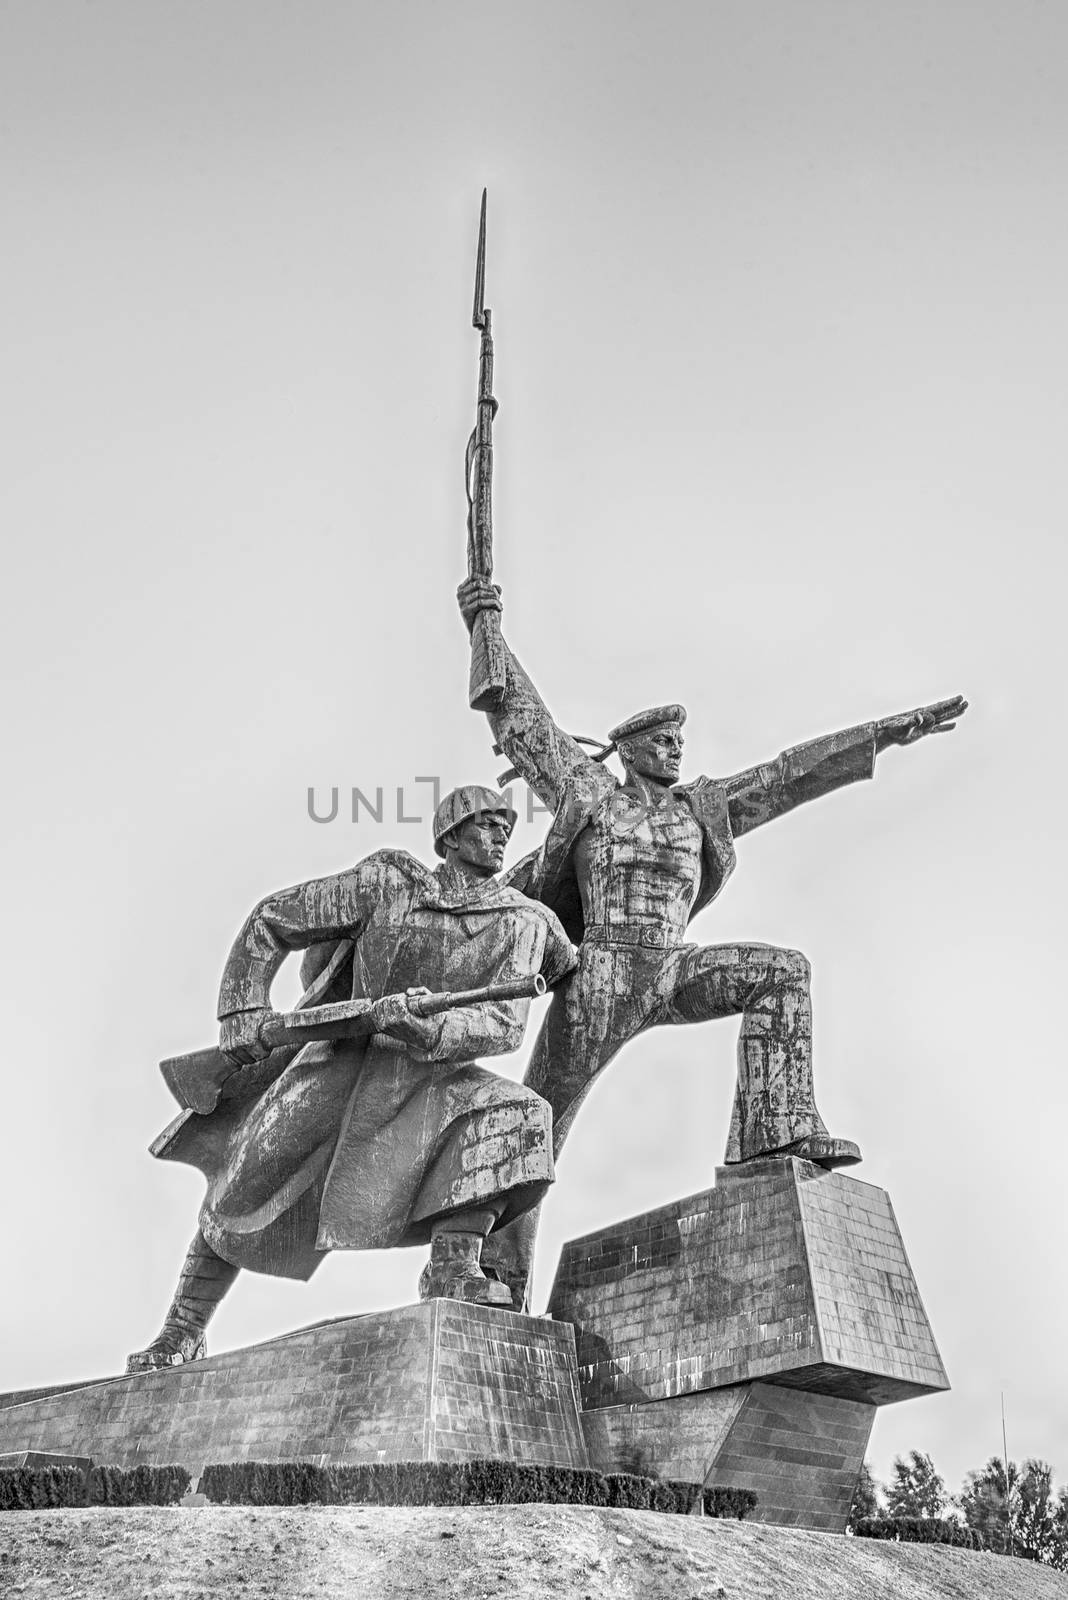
{"points": [[520, 1552]]}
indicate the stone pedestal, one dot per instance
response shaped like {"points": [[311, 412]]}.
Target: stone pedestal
{"points": [[440, 1381], [744, 1337], [747, 1335]]}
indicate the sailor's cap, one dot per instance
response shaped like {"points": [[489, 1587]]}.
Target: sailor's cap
{"points": [[645, 721], [470, 800]]}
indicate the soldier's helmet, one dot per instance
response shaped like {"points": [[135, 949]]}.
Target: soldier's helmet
{"points": [[470, 800]]}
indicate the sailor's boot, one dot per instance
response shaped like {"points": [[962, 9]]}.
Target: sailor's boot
{"points": [[821, 1149], [453, 1271], [202, 1282]]}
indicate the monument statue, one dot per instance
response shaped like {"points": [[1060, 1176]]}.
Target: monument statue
{"points": [[396, 1137], [742, 1337], [626, 866]]}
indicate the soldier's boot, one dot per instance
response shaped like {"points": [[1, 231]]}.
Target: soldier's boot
{"points": [[508, 1256], [202, 1283], [454, 1271]]}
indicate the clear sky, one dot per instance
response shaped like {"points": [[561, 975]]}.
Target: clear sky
{"points": [[779, 304]]}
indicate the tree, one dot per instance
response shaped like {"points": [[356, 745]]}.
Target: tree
{"points": [[984, 1504], [1031, 1521], [865, 1498], [915, 1488], [1059, 1558], [1040, 1517]]}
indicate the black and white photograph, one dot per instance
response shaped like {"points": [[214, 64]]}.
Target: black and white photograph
{"points": [[470, 470]]}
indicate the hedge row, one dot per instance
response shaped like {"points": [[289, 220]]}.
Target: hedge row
{"points": [[457, 1483], [919, 1530], [38, 1488], [418, 1483]]}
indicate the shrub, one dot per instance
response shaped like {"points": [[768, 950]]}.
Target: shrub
{"points": [[265, 1483], [736, 1503], [919, 1530], [458, 1483], [40, 1488], [136, 1486]]}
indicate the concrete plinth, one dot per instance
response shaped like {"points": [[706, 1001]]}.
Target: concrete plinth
{"points": [[747, 1334], [441, 1381], [743, 1337]]}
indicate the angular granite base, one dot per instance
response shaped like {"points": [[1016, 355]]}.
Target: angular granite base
{"points": [[441, 1381], [743, 1337], [782, 1272], [801, 1452], [747, 1334]]}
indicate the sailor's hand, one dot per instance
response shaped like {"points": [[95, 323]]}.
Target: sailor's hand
{"points": [[399, 1016], [475, 595], [912, 725], [239, 1036]]}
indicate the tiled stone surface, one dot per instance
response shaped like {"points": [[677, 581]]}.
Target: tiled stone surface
{"points": [[505, 1386], [800, 1452], [425, 1382], [870, 1315], [680, 1437], [19, 1397], [782, 1272]]}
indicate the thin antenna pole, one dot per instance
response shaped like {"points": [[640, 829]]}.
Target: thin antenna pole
{"points": [[1005, 1454]]}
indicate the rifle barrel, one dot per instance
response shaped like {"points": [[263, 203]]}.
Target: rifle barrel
{"points": [[197, 1080], [430, 1005]]}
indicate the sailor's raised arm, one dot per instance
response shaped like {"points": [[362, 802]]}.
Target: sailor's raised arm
{"points": [[810, 770], [541, 752]]}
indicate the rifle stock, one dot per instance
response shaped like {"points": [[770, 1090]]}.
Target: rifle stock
{"points": [[199, 1079], [486, 684]]}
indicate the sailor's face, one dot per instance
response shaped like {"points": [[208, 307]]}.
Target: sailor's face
{"points": [[482, 840], [657, 754]]}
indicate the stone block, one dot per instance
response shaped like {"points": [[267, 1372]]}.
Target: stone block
{"points": [[801, 1452], [42, 1458], [782, 1273], [440, 1381], [745, 1336]]}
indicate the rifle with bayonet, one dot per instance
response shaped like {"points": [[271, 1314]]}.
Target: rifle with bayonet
{"points": [[198, 1080], [487, 647]]}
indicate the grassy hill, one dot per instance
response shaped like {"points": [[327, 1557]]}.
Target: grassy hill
{"points": [[515, 1552]]}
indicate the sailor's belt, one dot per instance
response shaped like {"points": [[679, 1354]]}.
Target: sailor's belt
{"points": [[651, 934]]}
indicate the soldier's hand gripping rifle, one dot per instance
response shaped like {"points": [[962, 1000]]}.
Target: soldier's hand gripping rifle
{"points": [[199, 1079], [487, 647]]}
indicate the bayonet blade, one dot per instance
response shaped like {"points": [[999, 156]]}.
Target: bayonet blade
{"points": [[478, 317]]}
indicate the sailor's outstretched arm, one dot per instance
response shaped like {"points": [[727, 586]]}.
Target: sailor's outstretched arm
{"points": [[541, 752], [810, 770]]}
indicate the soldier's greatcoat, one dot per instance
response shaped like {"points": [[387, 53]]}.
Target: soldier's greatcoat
{"points": [[363, 1144]]}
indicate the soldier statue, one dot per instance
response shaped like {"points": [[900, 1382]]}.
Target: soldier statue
{"points": [[399, 1138], [626, 866]]}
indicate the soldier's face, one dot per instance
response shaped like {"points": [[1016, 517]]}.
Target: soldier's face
{"points": [[482, 840], [656, 754]]}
